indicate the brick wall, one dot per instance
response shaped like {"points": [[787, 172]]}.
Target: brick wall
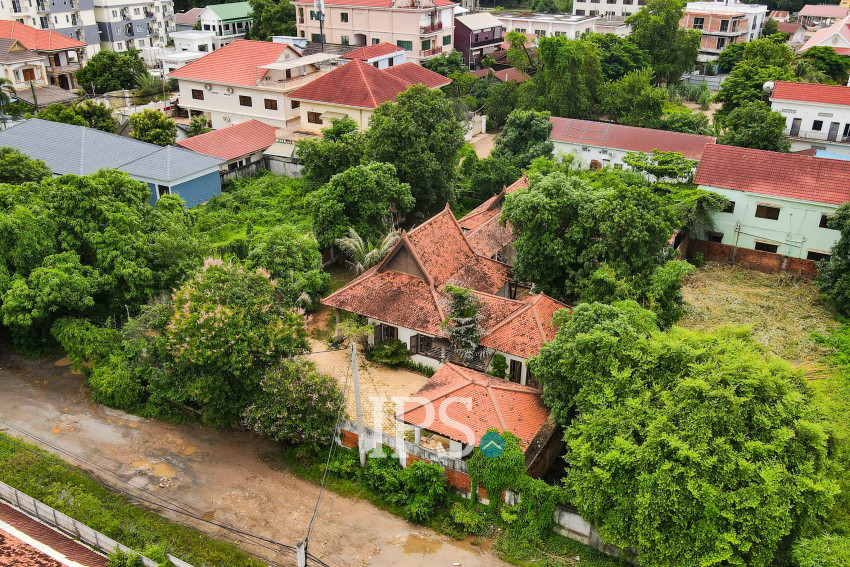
{"points": [[754, 259], [349, 439]]}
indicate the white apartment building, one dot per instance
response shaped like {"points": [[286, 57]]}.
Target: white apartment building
{"points": [[817, 116], [72, 18], [229, 22], [570, 26], [722, 23], [619, 8], [127, 25]]}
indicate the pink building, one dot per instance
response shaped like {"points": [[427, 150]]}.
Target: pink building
{"points": [[423, 28]]}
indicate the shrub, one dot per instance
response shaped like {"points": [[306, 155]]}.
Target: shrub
{"points": [[423, 490], [536, 509], [345, 464], [84, 342], [392, 352], [704, 100], [825, 551], [418, 367], [382, 471], [498, 366], [120, 559], [116, 383], [697, 259], [471, 520]]}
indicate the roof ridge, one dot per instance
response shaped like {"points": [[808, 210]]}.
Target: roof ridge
{"points": [[496, 408], [511, 316], [537, 319]]}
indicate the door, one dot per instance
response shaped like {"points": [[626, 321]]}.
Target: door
{"points": [[29, 74], [516, 372], [833, 131], [795, 126]]}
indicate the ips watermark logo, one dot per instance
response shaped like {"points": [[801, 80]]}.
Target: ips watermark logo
{"points": [[492, 444]]}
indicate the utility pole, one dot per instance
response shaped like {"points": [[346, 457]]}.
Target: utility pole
{"points": [[361, 431], [301, 554]]}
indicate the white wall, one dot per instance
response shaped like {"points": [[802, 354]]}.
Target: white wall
{"points": [[808, 113], [219, 104], [586, 154]]}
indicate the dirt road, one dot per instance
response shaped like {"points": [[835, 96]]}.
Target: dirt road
{"points": [[219, 473]]}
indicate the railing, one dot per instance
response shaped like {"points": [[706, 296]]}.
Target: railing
{"points": [[479, 360], [431, 29], [432, 51], [815, 135], [491, 41], [69, 526], [41, 7]]}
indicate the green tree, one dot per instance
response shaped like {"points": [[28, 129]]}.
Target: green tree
{"points": [[825, 551], [672, 50], [633, 100], [681, 119], [731, 56], [198, 126], [463, 323], [17, 168], [676, 429], [420, 136], [154, 127], [227, 330], [87, 113], [769, 52], [834, 274], [489, 175], [746, 82], [497, 474], [771, 27], [7, 91], [828, 62], [110, 71], [545, 6], [271, 17], [340, 147], [672, 166], [500, 101], [368, 198], [364, 254], [524, 138], [755, 125], [619, 55], [447, 64]]}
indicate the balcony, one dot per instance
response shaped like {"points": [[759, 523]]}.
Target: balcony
{"points": [[442, 351], [42, 7], [17, 8], [60, 69], [433, 28], [433, 51], [486, 42], [813, 135]]}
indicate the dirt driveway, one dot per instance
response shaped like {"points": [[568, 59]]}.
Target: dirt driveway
{"points": [[219, 473]]}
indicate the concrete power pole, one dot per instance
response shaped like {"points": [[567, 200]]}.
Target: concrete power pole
{"points": [[361, 431]]}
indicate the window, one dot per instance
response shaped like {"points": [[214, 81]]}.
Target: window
{"points": [[385, 333], [628, 2], [766, 247], [245, 100], [767, 212], [316, 38], [137, 11], [344, 40], [426, 44], [699, 23], [406, 45], [817, 256], [163, 190], [314, 15], [421, 344], [730, 208], [447, 40], [114, 13], [823, 220], [715, 237], [343, 17], [516, 371], [314, 118], [817, 125], [724, 25], [270, 103], [296, 104], [721, 42], [579, 12], [197, 94], [540, 33], [376, 41]]}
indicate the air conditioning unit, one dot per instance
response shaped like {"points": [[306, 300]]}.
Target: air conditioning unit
{"points": [[226, 118], [229, 90], [208, 87]]}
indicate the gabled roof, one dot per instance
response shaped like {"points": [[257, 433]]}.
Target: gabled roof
{"points": [[496, 403], [504, 75], [491, 207], [361, 85], [237, 63], [232, 10], [789, 27], [629, 138], [792, 176], [373, 51], [776, 14], [823, 36], [524, 331], [38, 40], [823, 11], [11, 51], [232, 142], [811, 92], [485, 233], [479, 21], [187, 18]]}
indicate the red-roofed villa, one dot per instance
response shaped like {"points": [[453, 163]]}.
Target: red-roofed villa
{"points": [[61, 57], [817, 116]]}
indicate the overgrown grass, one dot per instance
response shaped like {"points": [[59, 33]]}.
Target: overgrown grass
{"points": [[557, 551], [109, 513]]}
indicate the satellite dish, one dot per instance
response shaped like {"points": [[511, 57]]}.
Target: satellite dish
{"points": [[768, 87]]}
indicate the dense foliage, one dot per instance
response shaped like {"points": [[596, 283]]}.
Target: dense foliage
{"points": [[676, 429], [154, 127], [16, 168], [340, 147], [110, 71], [87, 113], [198, 126], [755, 125], [524, 138], [655, 29], [834, 274], [271, 17]]}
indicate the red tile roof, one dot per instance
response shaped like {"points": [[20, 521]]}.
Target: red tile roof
{"points": [[496, 403], [525, 330], [789, 27], [629, 138], [372, 51], [823, 11], [504, 75], [187, 18], [485, 233], [776, 14], [232, 142], [811, 92], [38, 40], [792, 176], [361, 85], [234, 64]]}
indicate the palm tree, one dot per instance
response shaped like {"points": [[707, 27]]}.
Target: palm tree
{"points": [[364, 254], [147, 85], [7, 91]]}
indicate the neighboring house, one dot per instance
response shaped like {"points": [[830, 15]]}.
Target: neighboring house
{"points": [[723, 23], [449, 425], [189, 45], [822, 154], [821, 15], [21, 66], [240, 146], [247, 80], [62, 56], [77, 150], [381, 55], [619, 8], [194, 40], [424, 28], [836, 36], [229, 21], [817, 116], [74, 19], [780, 202], [571, 26], [600, 144], [130, 24], [508, 75], [187, 20], [485, 232], [796, 32], [404, 297], [477, 35], [355, 90], [780, 16]]}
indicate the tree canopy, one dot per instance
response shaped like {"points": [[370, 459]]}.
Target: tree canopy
{"points": [[111, 70], [340, 147], [17, 168], [447, 63], [87, 113], [271, 17], [198, 126], [154, 127], [672, 50], [634, 100], [755, 125], [619, 55], [834, 274], [524, 138]]}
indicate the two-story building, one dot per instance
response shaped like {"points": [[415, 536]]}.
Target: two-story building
{"points": [[778, 203], [71, 18], [817, 116], [229, 21], [723, 23], [20, 65], [602, 144], [478, 35], [248, 80], [612, 8], [423, 28], [61, 56], [571, 26], [127, 25]]}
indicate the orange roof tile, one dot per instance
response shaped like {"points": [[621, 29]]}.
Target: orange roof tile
{"points": [[793, 176], [38, 40], [811, 92], [232, 142], [495, 403], [234, 64], [823, 11], [416, 74], [526, 329], [372, 51], [484, 232]]}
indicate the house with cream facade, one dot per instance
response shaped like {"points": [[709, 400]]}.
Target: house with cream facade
{"points": [[817, 116], [424, 28], [40, 57], [248, 80]]}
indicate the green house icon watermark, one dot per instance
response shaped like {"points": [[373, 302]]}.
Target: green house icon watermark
{"points": [[492, 444]]}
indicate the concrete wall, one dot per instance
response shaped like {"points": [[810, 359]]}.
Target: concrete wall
{"points": [[570, 30], [220, 105], [359, 115], [808, 113], [753, 259]]}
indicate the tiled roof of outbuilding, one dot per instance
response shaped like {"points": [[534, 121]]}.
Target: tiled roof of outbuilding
{"points": [[234, 141], [371, 51], [415, 74], [485, 233], [823, 11]]}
